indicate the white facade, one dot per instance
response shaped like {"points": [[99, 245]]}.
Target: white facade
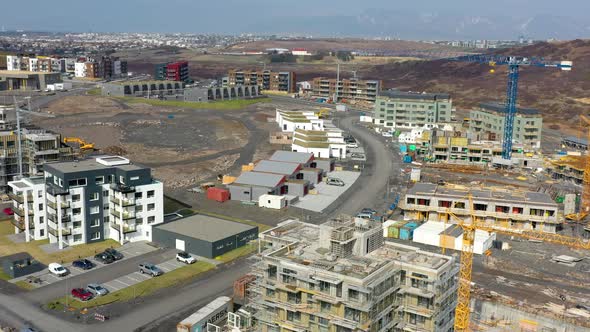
{"points": [[431, 231], [272, 201], [117, 68], [328, 143], [291, 120], [300, 52], [33, 64], [28, 204], [13, 62], [80, 69]]}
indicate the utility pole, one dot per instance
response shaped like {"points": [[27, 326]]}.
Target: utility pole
{"points": [[18, 137]]}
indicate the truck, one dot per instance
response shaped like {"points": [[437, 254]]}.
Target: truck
{"points": [[213, 312]]}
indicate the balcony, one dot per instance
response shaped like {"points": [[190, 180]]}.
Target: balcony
{"points": [[53, 217], [122, 188], [21, 212], [55, 232], [125, 214], [126, 228], [21, 224], [55, 190], [20, 197], [122, 202], [53, 205]]}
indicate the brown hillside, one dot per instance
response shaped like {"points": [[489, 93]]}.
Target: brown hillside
{"points": [[556, 93]]}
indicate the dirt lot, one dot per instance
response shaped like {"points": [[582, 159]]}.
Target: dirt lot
{"points": [[183, 146]]}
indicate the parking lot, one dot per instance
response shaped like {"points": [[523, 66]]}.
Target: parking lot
{"points": [[137, 277], [327, 194], [45, 278]]}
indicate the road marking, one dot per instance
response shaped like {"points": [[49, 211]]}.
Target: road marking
{"points": [[111, 286], [166, 269], [126, 285], [141, 275], [129, 276]]}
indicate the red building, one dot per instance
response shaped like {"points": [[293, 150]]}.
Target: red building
{"points": [[177, 71]]}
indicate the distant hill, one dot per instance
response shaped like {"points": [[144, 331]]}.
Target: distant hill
{"points": [[558, 94]]}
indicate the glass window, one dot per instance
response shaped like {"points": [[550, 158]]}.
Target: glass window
{"points": [[40, 206], [42, 232], [94, 196], [95, 236], [105, 219], [76, 211], [151, 207], [150, 194], [95, 222], [151, 219], [41, 220], [138, 194], [99, 180], [94, 210], [77, 237], [325, 306], [134, 178], [105, 193]]}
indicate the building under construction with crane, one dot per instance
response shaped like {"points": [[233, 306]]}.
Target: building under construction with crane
{"points": [[506, 208], [342, 276]]}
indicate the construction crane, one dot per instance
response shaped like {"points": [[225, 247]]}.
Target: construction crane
{"points": [[466, 261], [83, 145], [513, 63]]}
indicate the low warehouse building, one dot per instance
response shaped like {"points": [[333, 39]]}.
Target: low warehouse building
{"points": [[200, 94], [142, 88], [251, 185], [203, 235]]}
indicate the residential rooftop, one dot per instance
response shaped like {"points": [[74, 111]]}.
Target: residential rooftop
{"points": [[278, 167], [260, 179], [292, 157], [95, 163], [395, 94], [501, 108]]}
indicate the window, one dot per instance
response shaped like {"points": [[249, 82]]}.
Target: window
{"points": [[99, 180], [351, 313], [77, 224], [40, 193], [105, 219], [324, 286], [325, 306], [42, 232], [105, 193], [94, 196], [94, 209], [77, 237], [95, 222], [61, 183], [76, 211], [40, 206], [150, 194], [151, 219], [138, 194], [41, 220], [294, 298], [139, 221], [77, 182], [293, 315], [270, 292], [138, 208], [151, 207], [75, 198], [95, 236], [272, 272], [134, 178], [353, 294], [323, 321]]}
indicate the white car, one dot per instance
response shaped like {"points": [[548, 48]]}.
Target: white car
{"points": [[387, 134], [185, 258], [57, 269], [352, 145]]}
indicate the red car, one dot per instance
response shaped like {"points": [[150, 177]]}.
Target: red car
{"points": [[8, 211], [81, 294]]}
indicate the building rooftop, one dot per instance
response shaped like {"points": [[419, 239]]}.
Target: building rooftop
{"points": [[278, 167], [501, 108], [260, 179], [292, 157], [482, 193], [300, 243], [415, 95], [204, 227], [94, 164], [25, 73]]}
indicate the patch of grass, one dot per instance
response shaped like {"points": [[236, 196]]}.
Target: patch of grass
{"points": [[4, 275], [24, 285], [172, 205], [261, 227], [143, 288], [186, 212], [216, 105], [7, 247], [238, 252], [94, 92]]}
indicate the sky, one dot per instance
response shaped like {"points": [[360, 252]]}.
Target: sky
{"points": [[320, 17]]}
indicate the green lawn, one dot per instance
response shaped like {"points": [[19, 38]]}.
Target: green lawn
{"points": [[143, 288], [24, 285], [94, 92], [261, 227], [239, 252], [216, 105]]}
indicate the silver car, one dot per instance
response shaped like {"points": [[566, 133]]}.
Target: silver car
{"points": [[97, 289]]}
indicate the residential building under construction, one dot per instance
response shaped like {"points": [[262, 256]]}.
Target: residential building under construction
{"points": [[265, 79], [349, 90], [501, 207], [342, 276], [568, 168], [397, 109]]}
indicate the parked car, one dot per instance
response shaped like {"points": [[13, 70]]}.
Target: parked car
{"points": [[365, 215], [335, 182], [358, 156], [82, 294], [83, 264], [367, 210], [8, 211], [116, 255], [97, 289], [387, 134], [185, 258], [352, 145], [57, 269], [104, 258], [150, 269]]}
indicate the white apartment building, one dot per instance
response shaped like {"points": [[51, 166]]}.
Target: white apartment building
{"points": [[323, 144], [80, 69], [88, 201], [291, 120]]}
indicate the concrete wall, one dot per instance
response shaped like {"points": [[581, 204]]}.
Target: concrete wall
{"points": [[311, 176], [233, 242], [250, 193], [297, 189]]}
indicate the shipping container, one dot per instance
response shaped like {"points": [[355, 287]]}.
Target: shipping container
{"points": [[393, 230], [407, 232], [407, 159], [211, 313], [218, 194]]}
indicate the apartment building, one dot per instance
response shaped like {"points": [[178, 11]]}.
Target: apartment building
{"points": [[496, 206], [342, 276], [30, 62], [265, 79], [86, 69], [18, 62], [289, 120], [178, 71], [322, 143], [487, 123], [395, 109], [88, 201], [352, 89]]}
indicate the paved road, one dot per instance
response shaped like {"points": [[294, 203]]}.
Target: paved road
{"points": [[107, 273]]}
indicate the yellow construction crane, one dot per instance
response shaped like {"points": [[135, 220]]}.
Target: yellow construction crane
{"points": [[323, 113], [83, 145], [466, 262]]}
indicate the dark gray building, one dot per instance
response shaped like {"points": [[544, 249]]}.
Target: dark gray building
{"points": [[251, 185], [203, 235], [142, 88]]}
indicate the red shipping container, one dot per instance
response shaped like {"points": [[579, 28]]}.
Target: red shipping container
{"points": [[218, 194]]}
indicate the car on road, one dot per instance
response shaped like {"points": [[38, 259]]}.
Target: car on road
{"points": [[365, 215], [83, 264], [57, 269], [104, 258], [358, 156], [185, 258], [116, 255], [150, 269], [97, 289], [81, 294], [335, 182], [367, 210], [352, 145]]}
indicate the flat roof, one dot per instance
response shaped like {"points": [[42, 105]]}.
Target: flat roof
{"points": [[292, 157], [260, 179], [88, 165], [206, 228], [25, 72], [415, 95], [501, 108], [279, 167]]}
